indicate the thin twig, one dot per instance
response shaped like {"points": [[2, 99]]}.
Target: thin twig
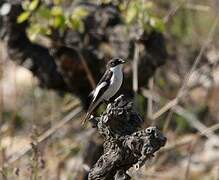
{"points": [[190, 117], [211, 33], [189, 139], [165, 108], [14, 157], [15, 95], [192, 140], [85, 65], [2, 66], [178, 143], [135, 68], [190, 151], [209, 130], [135, 72], [150, 101], [167, 121], [87, 70], [193, 120], [182, 91], [198, 7], [173, 11], [191, 148]]}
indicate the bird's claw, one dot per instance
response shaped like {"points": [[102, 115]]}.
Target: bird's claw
{"points": [[119, 98]]}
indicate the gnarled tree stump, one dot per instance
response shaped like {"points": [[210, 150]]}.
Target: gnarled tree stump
{"points": [[124, 144]]}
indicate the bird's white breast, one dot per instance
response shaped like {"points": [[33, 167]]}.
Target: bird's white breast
{"points": [[116, 82]]}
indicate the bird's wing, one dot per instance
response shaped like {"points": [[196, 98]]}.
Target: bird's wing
{"points": [[98, 92], [102, 85], [105, 78]]}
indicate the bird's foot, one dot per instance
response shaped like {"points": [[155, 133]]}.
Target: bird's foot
{"points": [[119, 98]]}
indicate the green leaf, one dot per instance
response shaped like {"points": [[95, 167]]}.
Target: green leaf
{"points": [[131, 14], [35, 29], [23, 17], [59, 21], [158, 24], [77, 24], [76, 19], [79, 13], [33, 5], [44, 12], [56, 11]]}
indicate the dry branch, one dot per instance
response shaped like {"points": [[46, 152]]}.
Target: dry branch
{"points": [[14, 157], [190, 117], [124, 144]]}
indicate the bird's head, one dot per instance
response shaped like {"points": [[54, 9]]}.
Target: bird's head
{"points": [[115, 62]]}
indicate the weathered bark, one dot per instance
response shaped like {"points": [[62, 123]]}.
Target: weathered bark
{"points": [[124, 144]]}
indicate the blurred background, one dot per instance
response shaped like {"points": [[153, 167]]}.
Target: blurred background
{"points": [[52, 54]]}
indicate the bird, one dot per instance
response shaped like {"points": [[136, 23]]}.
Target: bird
{"points": [[108, 85]]}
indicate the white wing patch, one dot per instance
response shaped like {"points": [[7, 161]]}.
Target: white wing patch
{"points": [[115, 82], [97, 90]]}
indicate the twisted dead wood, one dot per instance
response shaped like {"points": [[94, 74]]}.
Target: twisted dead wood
{"points": [[124, 144]]}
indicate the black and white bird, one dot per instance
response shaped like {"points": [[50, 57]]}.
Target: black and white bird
{"points": [[108, 86]]}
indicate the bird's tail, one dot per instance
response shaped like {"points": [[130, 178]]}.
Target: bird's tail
{"points": [[91, 108], [85, 118]]}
